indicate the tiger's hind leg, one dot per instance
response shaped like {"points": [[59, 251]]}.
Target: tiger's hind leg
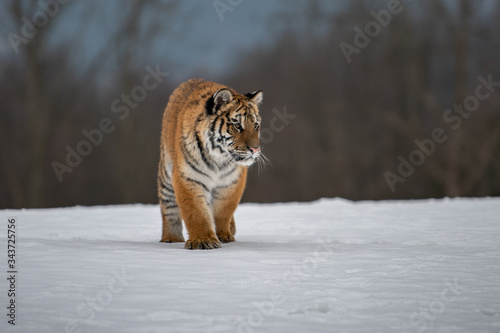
{"points": [[171, 217], [232, 226]]}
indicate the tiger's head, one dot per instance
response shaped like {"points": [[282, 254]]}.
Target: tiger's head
{"points": [[235, 126]]}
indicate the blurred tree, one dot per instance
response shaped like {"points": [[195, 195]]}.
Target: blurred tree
{"points": [[348, 121], [48, 102], [355, 119]]}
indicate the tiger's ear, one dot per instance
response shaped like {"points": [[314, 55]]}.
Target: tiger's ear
{"points": [[255, 97], [221, 98]]}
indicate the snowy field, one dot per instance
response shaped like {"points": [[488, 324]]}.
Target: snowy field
{"points": [[326, 266]]}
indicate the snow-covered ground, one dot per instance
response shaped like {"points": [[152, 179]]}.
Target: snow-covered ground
{"points": [[326, 266]]}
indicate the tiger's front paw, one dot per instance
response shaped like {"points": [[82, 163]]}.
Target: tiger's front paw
{"points": [[225, 237], [202, 244]]}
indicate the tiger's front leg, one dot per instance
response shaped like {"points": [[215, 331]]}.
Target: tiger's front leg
{"points": [[225, 206], [196, 214], [223, 226]]}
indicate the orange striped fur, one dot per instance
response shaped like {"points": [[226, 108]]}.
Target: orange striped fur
{"points": [[210, 135]]}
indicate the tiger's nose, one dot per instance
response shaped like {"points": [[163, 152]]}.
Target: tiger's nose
{"points": [[254, 149]]}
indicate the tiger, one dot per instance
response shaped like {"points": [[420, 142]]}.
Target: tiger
{"points": [[210, 136]]}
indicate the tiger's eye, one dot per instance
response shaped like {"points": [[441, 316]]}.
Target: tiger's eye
{"points": [[237, 126]]}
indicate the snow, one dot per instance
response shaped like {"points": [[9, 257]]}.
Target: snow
{"points": [[328, 266]]}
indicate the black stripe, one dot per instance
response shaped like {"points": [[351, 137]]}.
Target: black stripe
{"points": [[164, 181], [191, 161], [169, 205], [220, 148], [166, 200], [164, 184], [165, 174], [202, 152], [167, 192], [167, 197], [167, 189], [161, 176], [212, 138], [212, 125], [184, 146], [196, 182], [187, 153], [200, 118], [196, 169], [212, 130]]}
